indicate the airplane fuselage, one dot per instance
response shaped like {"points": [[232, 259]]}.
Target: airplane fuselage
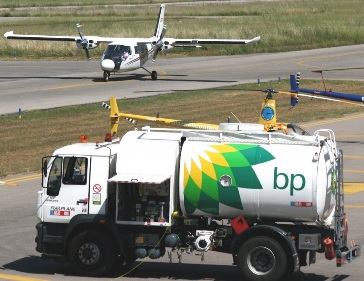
{"points": [[122, 57]]}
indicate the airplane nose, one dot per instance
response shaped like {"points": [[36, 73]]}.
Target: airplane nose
{"points": [[107, 65]]}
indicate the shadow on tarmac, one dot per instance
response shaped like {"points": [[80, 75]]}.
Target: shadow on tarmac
{"points": [[156, 270]]}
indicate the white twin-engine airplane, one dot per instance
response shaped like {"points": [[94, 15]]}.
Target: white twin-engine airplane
{"points": [[127, 54]]}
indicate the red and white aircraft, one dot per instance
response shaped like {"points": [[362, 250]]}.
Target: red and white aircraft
{"points": [[127, 54]]}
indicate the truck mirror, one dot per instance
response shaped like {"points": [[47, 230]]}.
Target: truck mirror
{"points": [[45, 164], [54, 177], [53, 190], [54, 185]]}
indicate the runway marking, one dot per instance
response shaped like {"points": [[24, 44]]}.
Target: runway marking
{"points": [[354, 171], [354, 206], [81, 85], [67, 87], [12, 182], [353, 156], [353, 187], [19, 278], [333, 120], [349, 136], [303, 62], [7, 183]]}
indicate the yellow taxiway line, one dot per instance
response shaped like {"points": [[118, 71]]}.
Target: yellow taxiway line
{"points": [[333, 120], [12, 182], [353, 187], [18, 278], [354, 206]]}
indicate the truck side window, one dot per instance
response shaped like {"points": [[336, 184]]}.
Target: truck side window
{"points": [[75, 170], [54, 178]]}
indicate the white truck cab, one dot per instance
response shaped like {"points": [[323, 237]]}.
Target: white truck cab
{"points": [[75, 181]]}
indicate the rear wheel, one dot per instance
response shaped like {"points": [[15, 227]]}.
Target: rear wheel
{"points": [[261, 259], [92, 254]]}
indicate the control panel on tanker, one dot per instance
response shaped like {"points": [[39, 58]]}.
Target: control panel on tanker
{"points": [[143, 202]]}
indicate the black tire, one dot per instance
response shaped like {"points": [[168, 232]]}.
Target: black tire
{"points": [[106, 76], [262, 258], [92, 254], [154, 75]]}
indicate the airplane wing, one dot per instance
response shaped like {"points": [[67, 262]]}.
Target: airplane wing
{"points": [[12, 35], [187, 42]]}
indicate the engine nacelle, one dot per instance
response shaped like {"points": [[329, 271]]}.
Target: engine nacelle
{"points": [[87, 44], [166, 47]]}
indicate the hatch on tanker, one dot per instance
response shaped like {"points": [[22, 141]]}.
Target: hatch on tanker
{"points": [[146, 178], [264, 177]]}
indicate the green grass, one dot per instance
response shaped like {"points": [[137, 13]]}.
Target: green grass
{"points": [[283, 26], [52, 3], [38, 133]]}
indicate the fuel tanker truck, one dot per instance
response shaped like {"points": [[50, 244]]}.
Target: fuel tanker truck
{"points": [[270, 199]]}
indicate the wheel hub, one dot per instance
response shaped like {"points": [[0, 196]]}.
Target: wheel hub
{"points": [[261, 260], [89, 253]]}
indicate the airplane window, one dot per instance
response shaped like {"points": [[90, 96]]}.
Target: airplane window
{"points": [[125, 49], [109, 51]]}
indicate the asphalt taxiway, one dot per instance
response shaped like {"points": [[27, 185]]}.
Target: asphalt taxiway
{"points": [[31, 84]]}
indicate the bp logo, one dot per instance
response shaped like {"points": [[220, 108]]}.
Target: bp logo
{"points": [[213, 176]]}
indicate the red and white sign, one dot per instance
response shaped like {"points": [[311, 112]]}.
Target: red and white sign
{"points": [[97, 188]]}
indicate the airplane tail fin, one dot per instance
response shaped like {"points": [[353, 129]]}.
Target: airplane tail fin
{"points": [[160, 23], [294, 81]]}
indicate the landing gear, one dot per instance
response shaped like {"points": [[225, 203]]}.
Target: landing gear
{"points": [[106, 76], [153, 74]]}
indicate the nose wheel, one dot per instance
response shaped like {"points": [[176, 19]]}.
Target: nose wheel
{"points": [[154, 75], [106, 76]]}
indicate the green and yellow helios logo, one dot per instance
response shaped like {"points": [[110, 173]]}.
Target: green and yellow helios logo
{"points": [[203, 171]]}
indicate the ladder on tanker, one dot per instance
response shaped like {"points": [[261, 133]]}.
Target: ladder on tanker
{"points": [[343, 252]]}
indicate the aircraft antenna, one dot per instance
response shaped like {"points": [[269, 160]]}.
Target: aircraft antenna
{"points": [[333, 69], [235, 116]]}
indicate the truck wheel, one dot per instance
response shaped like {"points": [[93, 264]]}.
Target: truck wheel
{"points": [[92, 254], [261, 259]]}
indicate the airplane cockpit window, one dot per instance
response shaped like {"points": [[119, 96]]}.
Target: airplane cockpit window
{"points": [[117, 52]]}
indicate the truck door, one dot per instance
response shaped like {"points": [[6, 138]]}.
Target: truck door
{"points": [[67, 188]]}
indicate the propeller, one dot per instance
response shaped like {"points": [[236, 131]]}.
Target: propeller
{"points": [[159, 43], [83, 41]]}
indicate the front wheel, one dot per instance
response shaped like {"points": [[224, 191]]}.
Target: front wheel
{"points": [[106, 76], [92, 254], [154, 75], [262, 258]]}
